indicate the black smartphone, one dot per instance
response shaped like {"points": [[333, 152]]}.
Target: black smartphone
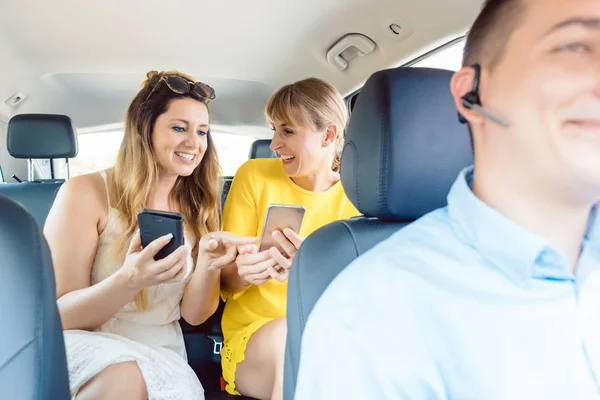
{"points": [[154, 224], [279, 217]]}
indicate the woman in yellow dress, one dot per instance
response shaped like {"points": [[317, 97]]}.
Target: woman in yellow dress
{"points": [[308, 119]]}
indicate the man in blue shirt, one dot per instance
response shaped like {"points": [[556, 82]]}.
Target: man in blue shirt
{"points": [[497, 295]]}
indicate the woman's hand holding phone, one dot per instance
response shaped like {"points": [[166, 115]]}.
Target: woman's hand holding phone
{"points": [[257, 268], [141, 270], [290, 242], [278, 246]]}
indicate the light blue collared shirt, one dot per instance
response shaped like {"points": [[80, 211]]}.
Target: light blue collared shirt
{"points": [[463, 304]]}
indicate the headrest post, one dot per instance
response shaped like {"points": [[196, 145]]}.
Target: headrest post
{"points": [[68, 168], [30, 171]]}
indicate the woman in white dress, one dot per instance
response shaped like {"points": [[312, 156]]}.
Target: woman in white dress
{"points": [[119, 307]]}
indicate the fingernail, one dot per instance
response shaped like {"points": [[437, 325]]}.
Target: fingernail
{"points": [[169, 236], [212, 268]]}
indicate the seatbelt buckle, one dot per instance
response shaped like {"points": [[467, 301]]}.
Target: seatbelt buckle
{"points": [[217, 344]]}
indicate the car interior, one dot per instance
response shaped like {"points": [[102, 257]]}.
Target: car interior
{"points": [[70, 69]]}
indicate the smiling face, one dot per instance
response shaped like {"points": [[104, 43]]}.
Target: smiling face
{"points": [[304, 151], [547, 87], [179, 137], [308, 118]]}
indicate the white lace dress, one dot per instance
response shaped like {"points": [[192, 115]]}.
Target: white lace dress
{"points": [[152, 338]]}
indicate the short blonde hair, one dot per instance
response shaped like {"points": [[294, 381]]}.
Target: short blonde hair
{"points": [[311, 102]]}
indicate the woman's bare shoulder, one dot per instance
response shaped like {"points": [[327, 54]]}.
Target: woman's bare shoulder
{"points": [[85, 192]]}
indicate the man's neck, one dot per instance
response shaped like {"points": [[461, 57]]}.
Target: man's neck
{"points": [[550, 215]]}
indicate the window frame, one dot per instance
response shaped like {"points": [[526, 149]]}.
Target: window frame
{"points": [[351, 98]]}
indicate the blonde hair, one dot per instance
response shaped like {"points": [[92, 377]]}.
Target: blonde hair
{"points": [[312, 102], [136, 171]]}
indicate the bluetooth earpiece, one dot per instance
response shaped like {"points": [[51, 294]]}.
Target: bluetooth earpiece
{"points": [[472, 98], [472, 101]]}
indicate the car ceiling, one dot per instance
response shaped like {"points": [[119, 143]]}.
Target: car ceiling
{"points": [[87, 59]]}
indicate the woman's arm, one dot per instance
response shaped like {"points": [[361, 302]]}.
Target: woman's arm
{"points": [[231, 280], [71, 230], [201, 295], [72, 234]]}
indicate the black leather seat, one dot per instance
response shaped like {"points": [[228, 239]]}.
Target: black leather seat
{"points": [[404, 149], [32, 351], [38, 136], [261, 149], [227, 181]]}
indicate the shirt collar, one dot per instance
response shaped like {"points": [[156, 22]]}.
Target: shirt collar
{"points": [[511, 248]]}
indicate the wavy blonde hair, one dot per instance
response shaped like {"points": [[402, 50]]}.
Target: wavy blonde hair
{"points": [[136, 171], [311, 102]]}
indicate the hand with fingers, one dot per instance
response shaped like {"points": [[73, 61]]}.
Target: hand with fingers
{"points": [[141, 270], [290, 242], [221, 248], [257, 268]]}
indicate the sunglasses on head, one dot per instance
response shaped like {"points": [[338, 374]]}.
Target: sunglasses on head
{"points": [[180, 85]]}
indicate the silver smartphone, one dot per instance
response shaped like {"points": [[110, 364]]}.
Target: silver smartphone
{"points": [[279, 217]]}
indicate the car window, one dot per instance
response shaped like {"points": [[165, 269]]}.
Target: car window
{"points": [[98, 151], [449, 57], [232, 150]]}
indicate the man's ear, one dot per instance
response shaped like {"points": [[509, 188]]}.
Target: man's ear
{"points": [[331, 133], [461, 84]]}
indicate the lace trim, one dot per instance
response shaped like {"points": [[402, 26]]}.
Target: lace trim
{"points": [[234, 352], [167, 375]]}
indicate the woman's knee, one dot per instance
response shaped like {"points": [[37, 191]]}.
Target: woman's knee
{"points": [[262, 368], [279, 337], [122, 380]]}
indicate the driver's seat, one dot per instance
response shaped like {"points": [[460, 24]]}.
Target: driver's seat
{"points": [[404, 148]]}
